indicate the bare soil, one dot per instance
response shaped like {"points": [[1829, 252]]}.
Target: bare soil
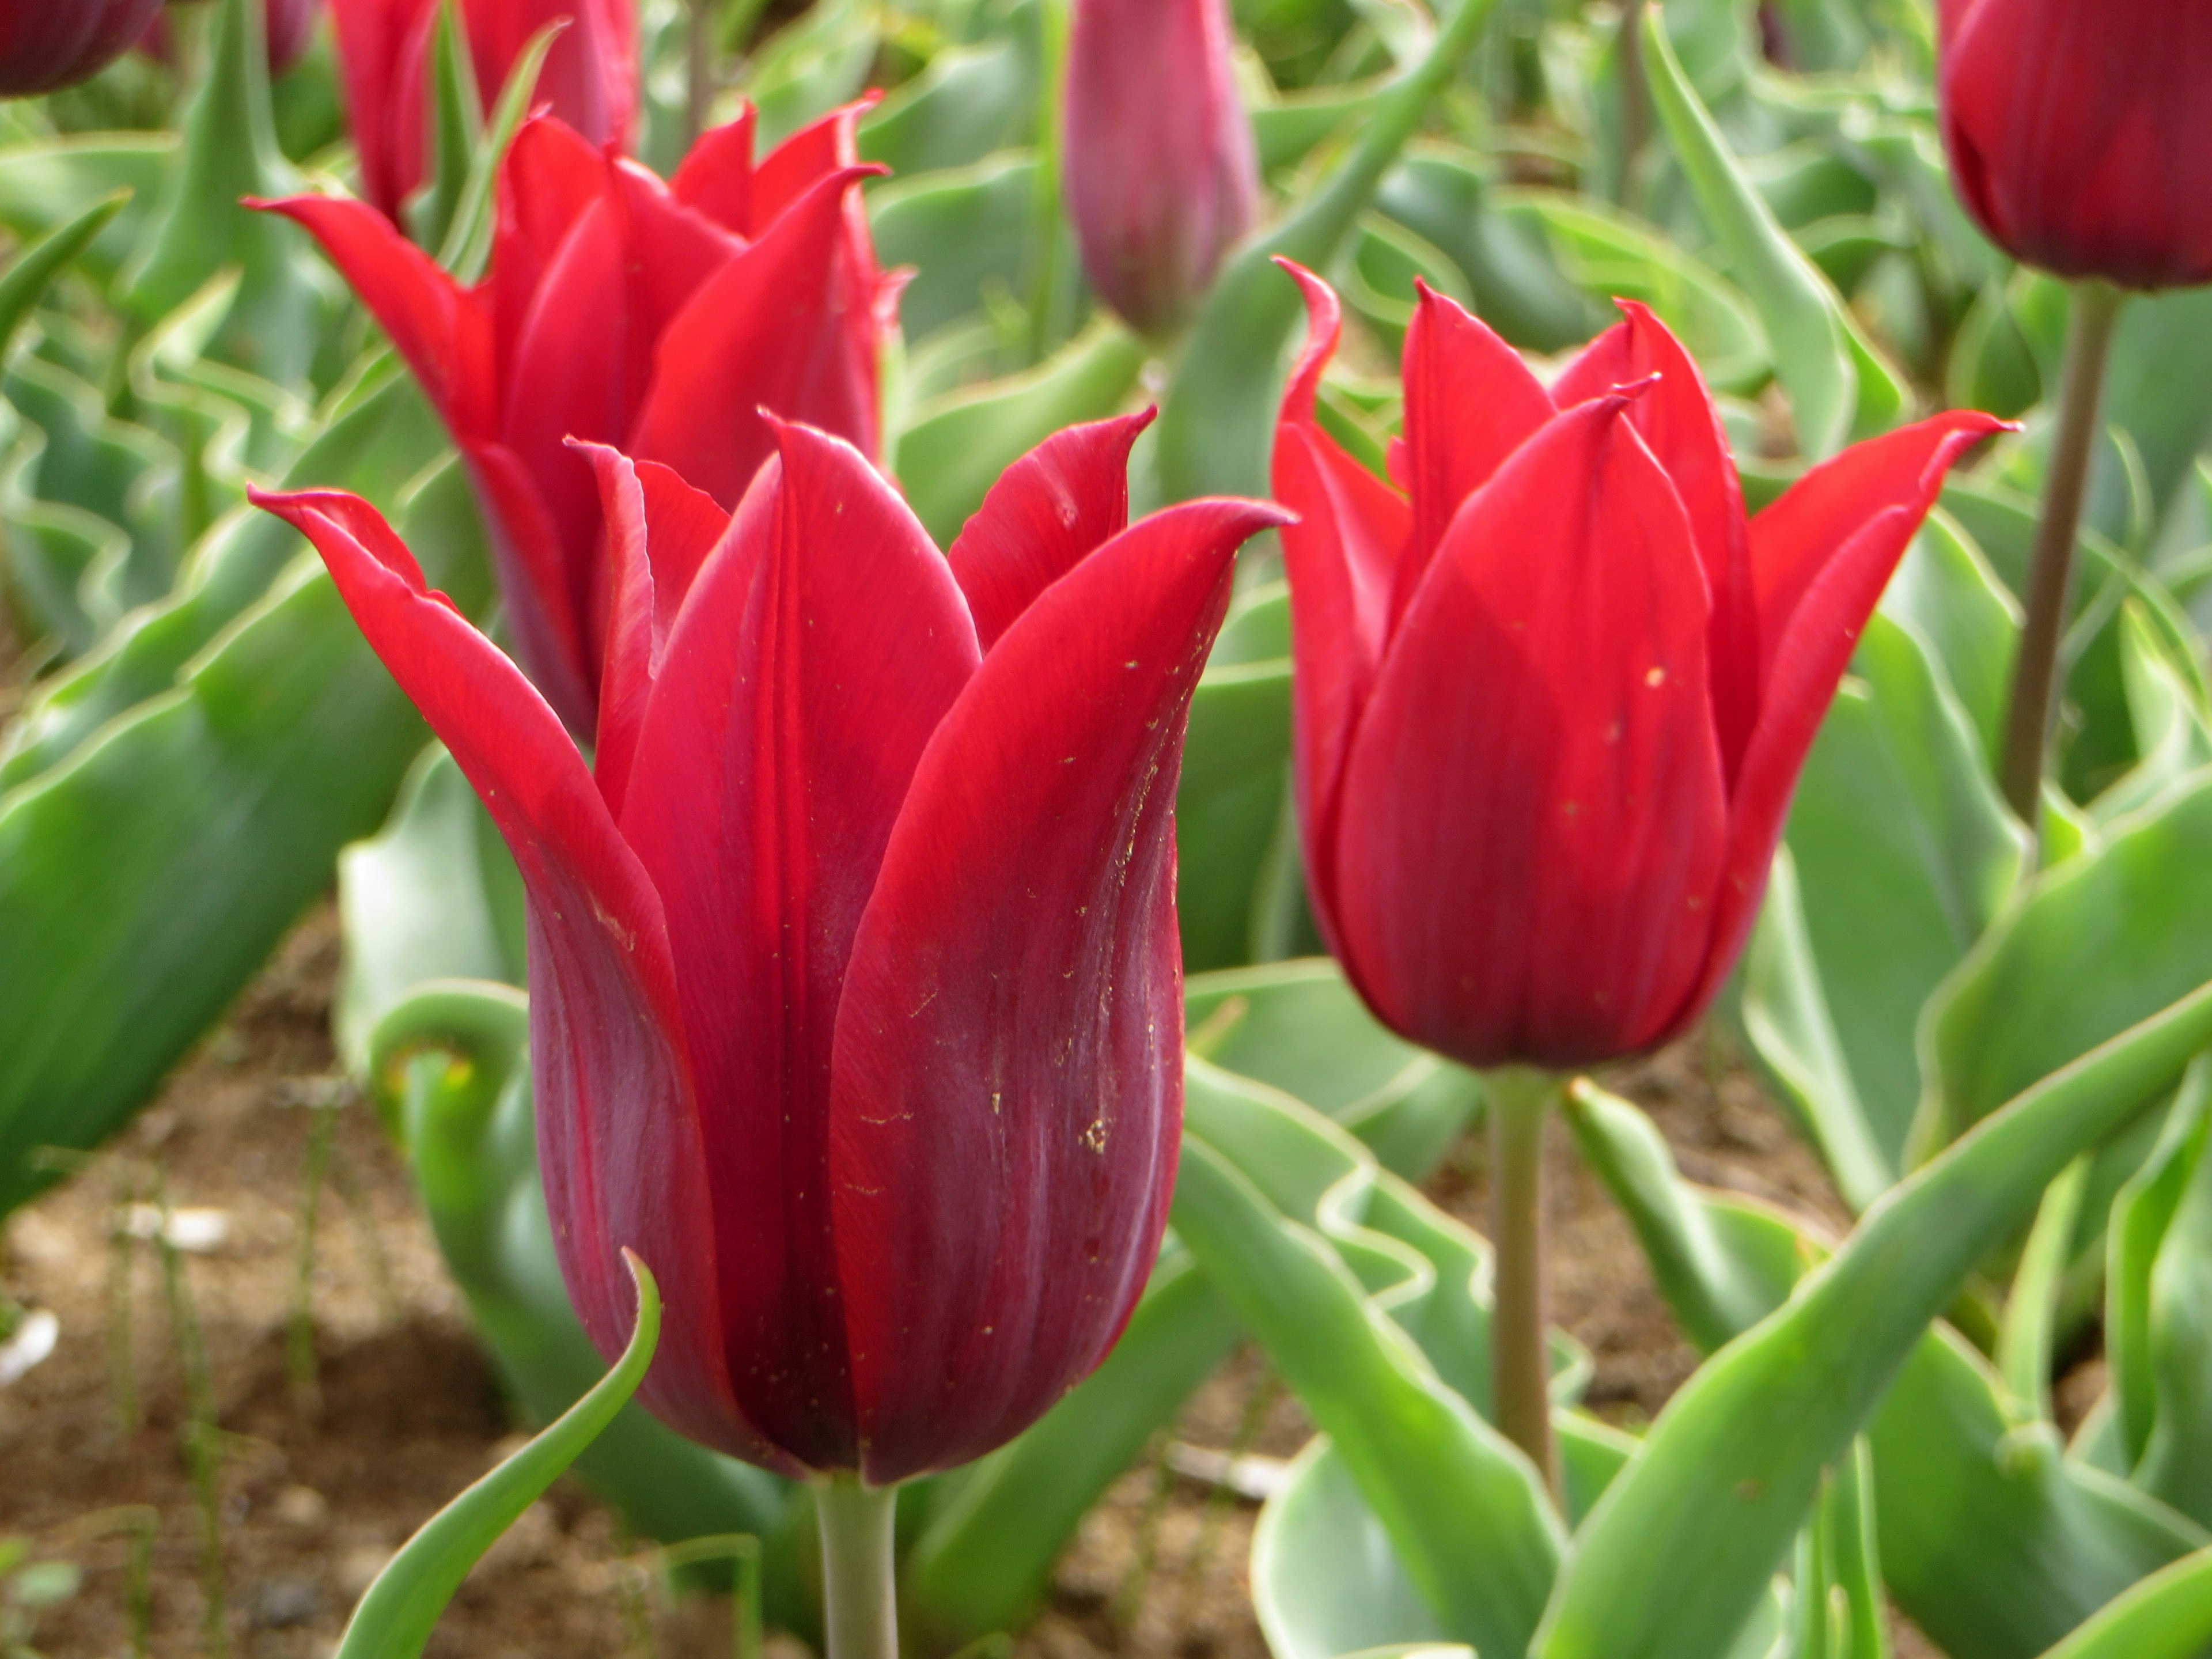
{"points": [[314, 1484]]}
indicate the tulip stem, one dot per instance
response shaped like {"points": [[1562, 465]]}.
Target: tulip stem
{"points": [[860, 1595], [2050, 576], [699, 82], [1635, 111], [1519, 1099]]}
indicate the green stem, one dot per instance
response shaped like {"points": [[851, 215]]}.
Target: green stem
{"points": [[699, 82], [1519, 1099], [1635, 102], [2035, 676], [859, 1594]]}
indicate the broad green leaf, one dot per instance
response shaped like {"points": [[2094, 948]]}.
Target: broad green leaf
{"points": [[969, 103], [1994, 1544], [814, 62], [376, 437], [35, 266], [2176, 1465], [1904, 853], [2172, 734], [2167, 1616], [1466, 1514], [1236, 861], [288, 298], [1676, 1556], [2140, 1215], [47, 184], [396, 1616], [2158, 390], [1219, 416], [1945, 592], [2096, 944], [1299, 1027], [965, 231], [2027, 1342], [144, 881], [432, 895], [956, 447], [1839, 386]]}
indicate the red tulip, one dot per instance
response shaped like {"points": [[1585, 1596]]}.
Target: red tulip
{"points": [[1160, 172], [590, 79], [1553, 695], [656, 317], [48, 44], [855, 994], [2080, 135]]}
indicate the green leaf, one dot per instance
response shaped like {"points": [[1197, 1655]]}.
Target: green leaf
{"points": [[395, 1617], [45, 185], [465, 246], [969, 103], [1993, 1543], [1466, 1512], [142, 883], [964, 231], [2167, 1616], [2027, 1001], [2176, 1339], [1903, 854], [434, 895], [2141, 1215], [1219, 416], [456, 123], [37, 265], [1945, 592], [1839, 387], [1676, 1554], [956, 447], [1299, 1027]]}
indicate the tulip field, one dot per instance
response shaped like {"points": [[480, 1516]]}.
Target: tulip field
{"points": [[1046, 828]]}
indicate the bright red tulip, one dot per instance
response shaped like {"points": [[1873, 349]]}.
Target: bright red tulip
{"points": [[49, 43], [1160, 170], [855, 993], [1554, 693], [2081, 134], [659, 318], [590, 79]]}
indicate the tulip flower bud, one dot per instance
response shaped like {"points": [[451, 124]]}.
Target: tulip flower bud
{"points": [[291, 25], [590, 78], [1160, 172], [50, 43], [855, 1003], [658, 317], [1553, 697], [2080, 135]]}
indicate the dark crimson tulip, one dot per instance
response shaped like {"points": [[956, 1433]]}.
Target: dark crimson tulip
{"points": [[1160, 171], [1553, 695], [656, 317], [290, 25], [590, 79], [2080, 135], [48, 44], [856, 993]]}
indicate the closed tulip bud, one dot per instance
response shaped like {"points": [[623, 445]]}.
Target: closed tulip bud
{"points": [[1554, 690], [2080, 135], [46, 44], [855, 995], [291, 25], [1161, 175], [657, 317], [589, 79]]}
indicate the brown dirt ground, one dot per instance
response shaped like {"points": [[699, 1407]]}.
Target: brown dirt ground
{"points": [[313, 1493]]}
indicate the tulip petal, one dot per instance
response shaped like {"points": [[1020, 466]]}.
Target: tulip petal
{"points": [[816, 652], [370, 36], [438, 327], [822, 148], [1341, 555], [1008, 1065], [1795, 539], [1677, 419], [1823, 554], [659, 532], [1470, 402], [533, 580], [673, 250], [619, 1139], [782, 327], [1059, 503], [715, 176], [550, 179], [1534, 817]]}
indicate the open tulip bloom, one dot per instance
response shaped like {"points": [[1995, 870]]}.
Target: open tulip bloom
{"points": [[656, 317], [1553, 689], [855, 991]]}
